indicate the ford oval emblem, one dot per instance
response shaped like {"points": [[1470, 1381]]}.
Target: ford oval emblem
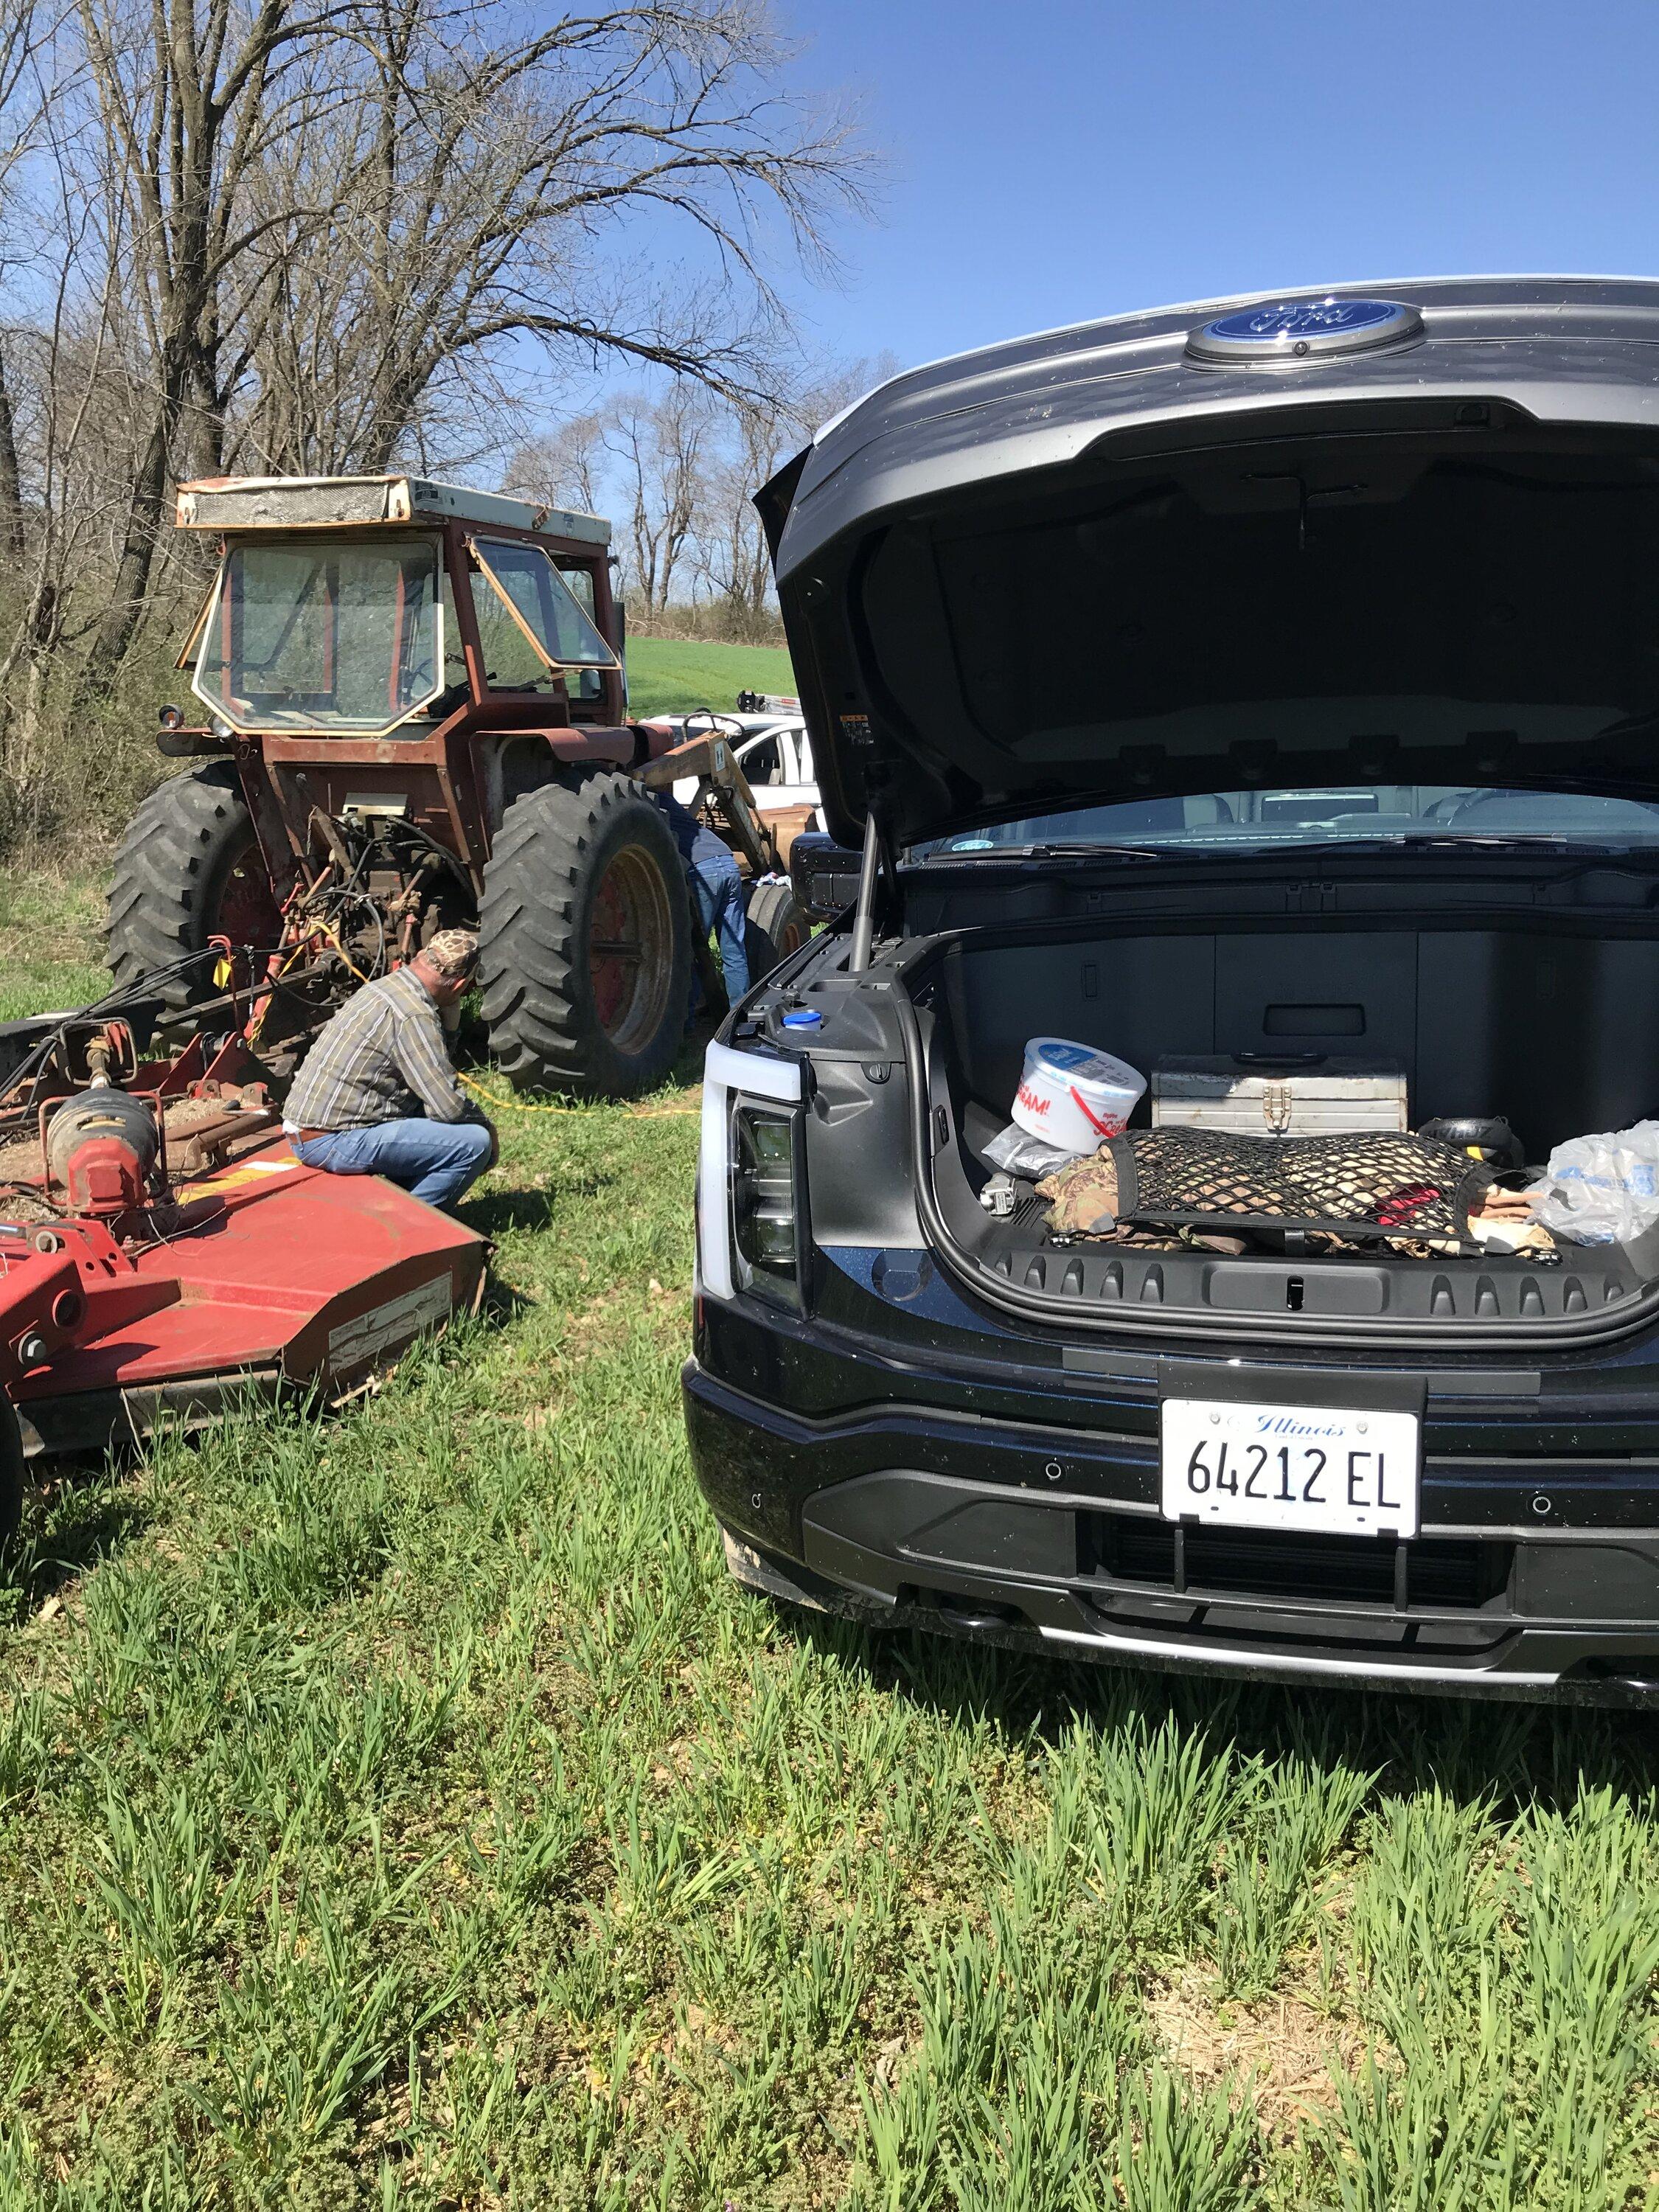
{"points": [[1284, 333]]}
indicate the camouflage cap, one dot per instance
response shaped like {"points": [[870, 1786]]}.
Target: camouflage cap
{"points": [[453, 952]]}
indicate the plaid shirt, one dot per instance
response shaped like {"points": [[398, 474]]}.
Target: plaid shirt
{"points": [[383, 1058]]}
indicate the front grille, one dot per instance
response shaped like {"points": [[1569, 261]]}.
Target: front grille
{"points": [[1438, 1572]]}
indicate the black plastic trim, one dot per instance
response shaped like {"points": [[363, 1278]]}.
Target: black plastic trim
{"points": [[1032, 1601], [1088, 1448]]}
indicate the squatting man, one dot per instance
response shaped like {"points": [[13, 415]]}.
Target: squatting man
{"points": [[377, 1094]]}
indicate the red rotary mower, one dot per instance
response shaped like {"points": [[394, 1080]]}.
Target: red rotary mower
{"points": [[163, 1255]]}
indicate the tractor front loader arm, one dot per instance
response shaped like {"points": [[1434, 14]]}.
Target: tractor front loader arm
{"points": [[723, 787]]}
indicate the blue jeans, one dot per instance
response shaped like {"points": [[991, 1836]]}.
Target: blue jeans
{"points": [[717, 889], [433, 1160]]}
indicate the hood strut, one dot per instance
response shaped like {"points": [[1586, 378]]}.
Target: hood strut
{"points": [[877, 855]]}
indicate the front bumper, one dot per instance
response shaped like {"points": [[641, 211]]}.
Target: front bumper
{"points": [[1048, 1538]]}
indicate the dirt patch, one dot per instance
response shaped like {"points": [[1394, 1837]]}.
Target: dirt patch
{"points": [[1285, 2047], [20, 1159]]}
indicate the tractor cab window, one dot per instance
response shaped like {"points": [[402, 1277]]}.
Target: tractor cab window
{"points": [[457, 686], [532, 628], [511, 662], [323, 636], [584, 683]]}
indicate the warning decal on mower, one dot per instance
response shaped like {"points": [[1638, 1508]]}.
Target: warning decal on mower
{"points": [[237, 1178], [390, 1327]]}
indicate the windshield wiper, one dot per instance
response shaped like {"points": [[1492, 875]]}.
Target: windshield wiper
{"points": [[1288, 846], [1066, 850], [1461, 841]]}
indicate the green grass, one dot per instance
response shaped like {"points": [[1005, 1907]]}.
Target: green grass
{"points": [[404, 1809], [50, 942], [665, 676]]}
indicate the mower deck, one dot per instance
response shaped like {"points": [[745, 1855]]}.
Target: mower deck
{"points": [[263, 1277]]}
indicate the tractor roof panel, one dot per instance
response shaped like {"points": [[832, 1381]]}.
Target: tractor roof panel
{"points": [[343, 502]]}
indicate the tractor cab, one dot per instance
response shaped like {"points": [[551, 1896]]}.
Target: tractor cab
{"points": [[371, 607]]}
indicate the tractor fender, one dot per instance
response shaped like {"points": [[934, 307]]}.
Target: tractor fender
{"points": [[515, 761]]}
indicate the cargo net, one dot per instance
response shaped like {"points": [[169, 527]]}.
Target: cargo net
{"points": [[1365, 1185]]}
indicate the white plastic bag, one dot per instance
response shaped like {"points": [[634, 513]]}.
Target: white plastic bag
{"points": [[1016, 1152], [1602, 1189]]}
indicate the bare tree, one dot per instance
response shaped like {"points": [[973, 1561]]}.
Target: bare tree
{"points": [[658, 448], [80, 397], [495, 172], [678, 469], [19, 118], [761, 436], [350, 199], [736, 563], [563, 467], [190, 100]]}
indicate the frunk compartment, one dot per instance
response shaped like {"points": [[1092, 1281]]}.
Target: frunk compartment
{"points": [[1552, 1026]]}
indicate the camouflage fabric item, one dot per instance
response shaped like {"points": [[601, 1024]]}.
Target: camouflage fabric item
{"points": [[1082, 1196], [454, 952]]}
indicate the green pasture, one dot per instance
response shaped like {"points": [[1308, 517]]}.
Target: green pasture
{"points": [[666, 675]]}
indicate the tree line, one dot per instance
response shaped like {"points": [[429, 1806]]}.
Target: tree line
{"points": [[332, 236], [677, 470]]}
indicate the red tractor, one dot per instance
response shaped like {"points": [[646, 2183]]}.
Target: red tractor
{"points": [[418, 716]]}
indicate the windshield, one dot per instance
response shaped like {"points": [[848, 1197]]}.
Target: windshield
{"points": [[1352, 813], [323, 636]]}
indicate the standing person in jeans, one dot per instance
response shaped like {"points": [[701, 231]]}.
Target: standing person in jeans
{"points": [[717, 888], [376, 1094]]}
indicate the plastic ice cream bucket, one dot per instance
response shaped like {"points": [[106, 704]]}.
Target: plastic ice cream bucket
{"points": [[1073, 1096]]}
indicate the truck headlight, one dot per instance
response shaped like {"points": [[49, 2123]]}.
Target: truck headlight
{"points": [[751, 1214], [765, 1210]]}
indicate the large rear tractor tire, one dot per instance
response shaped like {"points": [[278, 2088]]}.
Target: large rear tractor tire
{"points": [[189, 869], [778, 924], [585, 962]]}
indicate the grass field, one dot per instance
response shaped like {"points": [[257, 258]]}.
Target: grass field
{"points": [[665, 675], [49, 954], [402, 1809]]}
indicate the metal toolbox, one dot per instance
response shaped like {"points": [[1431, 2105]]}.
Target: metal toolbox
{"points": [[1293, 1095]]}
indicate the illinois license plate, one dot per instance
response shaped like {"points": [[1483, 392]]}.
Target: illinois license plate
{"points": [[1323, 1468]]}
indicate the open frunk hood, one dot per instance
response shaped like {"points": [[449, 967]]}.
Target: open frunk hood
{"points": [[1405, 533]]}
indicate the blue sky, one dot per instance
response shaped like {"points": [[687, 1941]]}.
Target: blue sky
{"points": [[1049, 161]]}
